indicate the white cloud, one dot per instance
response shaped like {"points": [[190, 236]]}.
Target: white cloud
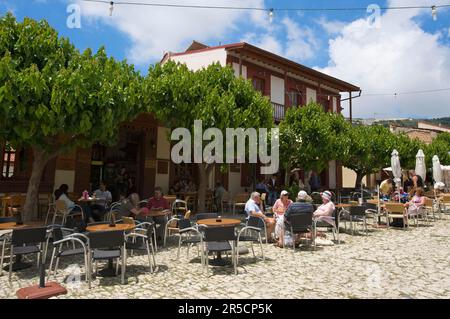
{"points": [[265, 41], [301, 42], [154, 30], [397, 57], [332, 27]]}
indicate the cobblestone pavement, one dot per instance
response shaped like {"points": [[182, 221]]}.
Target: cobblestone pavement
{"points": [[385, 264]]}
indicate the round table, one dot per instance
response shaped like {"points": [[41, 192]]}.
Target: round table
{"points": [[107, 227], [343, 205], [157, 213], [216, 222], [219, 222], [110, 271], [18, 264]]}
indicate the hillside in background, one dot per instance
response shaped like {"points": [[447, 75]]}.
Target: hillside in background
{"points": [[444, 121]]}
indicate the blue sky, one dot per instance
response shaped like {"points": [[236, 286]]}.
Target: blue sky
{"points": [[408, 52]]}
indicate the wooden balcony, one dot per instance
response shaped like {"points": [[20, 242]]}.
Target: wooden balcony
{"points": [[279, 111]]}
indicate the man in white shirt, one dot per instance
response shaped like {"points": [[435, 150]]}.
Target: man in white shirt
{"points": [[253, 208], [103, 197]]}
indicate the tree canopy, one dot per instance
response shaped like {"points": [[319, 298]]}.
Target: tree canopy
{"points": [[54, 98], [213, 95], [311, 137]]}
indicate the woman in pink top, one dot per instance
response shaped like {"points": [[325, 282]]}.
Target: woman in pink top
{"points": [[412, 207], [279, 208], [281, 204]]}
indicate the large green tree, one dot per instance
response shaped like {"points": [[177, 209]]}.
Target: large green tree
{"points": [[311, 137], [369, 150], [440, 146], [54, 98], [213, 95]]}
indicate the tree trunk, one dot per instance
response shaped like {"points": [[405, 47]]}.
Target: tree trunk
{"points": [[203, 180], [359, 177], [31, 202]]}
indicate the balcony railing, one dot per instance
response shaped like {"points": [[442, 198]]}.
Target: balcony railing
{"points": [[278, 111]]}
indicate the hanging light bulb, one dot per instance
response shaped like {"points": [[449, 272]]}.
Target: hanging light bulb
{"points": [[111, 8], [271, 15], [434, 13]]}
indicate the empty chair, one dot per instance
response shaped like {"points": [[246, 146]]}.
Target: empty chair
{"points": [[107, 245], [302, 224], [24, 241], [179, 207], [357, 214], [190, 235], [217, 239], [172, 225], [141, 240], [59, 239], [251, 232]]}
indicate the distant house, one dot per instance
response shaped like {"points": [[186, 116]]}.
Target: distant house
{"points": [[424, 131]]}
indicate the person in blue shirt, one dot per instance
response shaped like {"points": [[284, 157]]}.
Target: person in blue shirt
{"points": [[253, 208]]}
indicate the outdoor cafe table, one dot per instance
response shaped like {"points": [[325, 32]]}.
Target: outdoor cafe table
{"points": [[216, 222], [18, 264], [110, 271]]}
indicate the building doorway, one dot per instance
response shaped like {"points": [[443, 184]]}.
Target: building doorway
{"points": [[119, 166]]}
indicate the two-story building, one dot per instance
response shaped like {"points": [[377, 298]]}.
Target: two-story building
{"points": [[143, 148], [285, 82]]}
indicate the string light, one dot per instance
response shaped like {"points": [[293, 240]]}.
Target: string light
{"points": [[111, 8], [271, 15], [434, 13], [434, 8]]}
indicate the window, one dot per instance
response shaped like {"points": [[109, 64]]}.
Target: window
{"points": [[295, 98], [259, 85], [9, 158]]}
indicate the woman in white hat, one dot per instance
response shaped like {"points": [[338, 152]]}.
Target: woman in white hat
{"points": [[326, 209]]}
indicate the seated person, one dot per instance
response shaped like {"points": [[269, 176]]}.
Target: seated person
{"points": [[62, 193], [129, 207], [412, 207], [158, 202], [301, 206], [401, 195], [176, 188], [325, 211], [103, 198], [386, 187], [253, 208]]}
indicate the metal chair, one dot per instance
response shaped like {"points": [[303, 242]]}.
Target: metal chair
{"points": [[172, 225], [24, 241], [179, 207], [357, 214], [186, 229], [59, 239], [217, 239], [253, 225], [332, 222], [107, 245], [141, 240], [302, 224]]}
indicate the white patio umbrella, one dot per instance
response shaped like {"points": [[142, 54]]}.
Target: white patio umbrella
{"points": [[396, 169], [420, 165], [437, 170]]}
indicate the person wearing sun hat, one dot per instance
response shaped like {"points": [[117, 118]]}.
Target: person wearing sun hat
{"points": [[300, 206], [325, 211]]}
